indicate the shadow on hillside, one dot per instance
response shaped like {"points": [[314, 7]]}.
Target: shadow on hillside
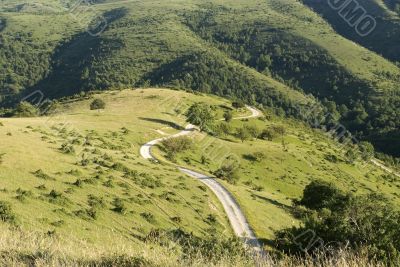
{"points": [[72, 60], [273, 202], [164, 122]]}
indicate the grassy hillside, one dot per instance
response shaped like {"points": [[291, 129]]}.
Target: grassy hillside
{"points": [[383, 40], [274, 53], [76, 178], [78, 174]]}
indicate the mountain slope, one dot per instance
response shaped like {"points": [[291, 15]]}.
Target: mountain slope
{"points": [[276, 53]]}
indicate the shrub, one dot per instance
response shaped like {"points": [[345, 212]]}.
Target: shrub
{"points": [[256, 156], [228, 172], [176, 145], [243, 134], [238, 104], [97, 104], [6, 213], [148, 217], [320, 194], [228, 116], [119, 206], [26, 109], [253, 130]]}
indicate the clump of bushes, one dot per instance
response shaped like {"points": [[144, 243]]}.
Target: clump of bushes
{"points": [[335, 219], [97, 104]]}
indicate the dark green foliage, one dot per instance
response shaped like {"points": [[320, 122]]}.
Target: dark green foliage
{"points": [[96, 202], [319, 194], [201, 114], [228, 172], [119, 206], [256, 156], [243, 134], [228, 116], [173, 146], [338, 220], [148, 217], [25, 109], [268, 134], [238, 104], [97, 104], [56, 197], [6, 213]]}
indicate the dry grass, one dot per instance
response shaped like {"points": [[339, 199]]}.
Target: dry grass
{"points": [[20, 248]]}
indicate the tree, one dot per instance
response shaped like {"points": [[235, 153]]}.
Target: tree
{"points": [[175, 145], [367, 150], [268, 134], [243, 134], [238, 104], [253, 130], [228, 116], [228, 172], [201, 114], [320, 194], [97, 104], [26, 109]]}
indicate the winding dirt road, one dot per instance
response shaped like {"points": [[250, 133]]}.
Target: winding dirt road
{"points": [[235, 215]]}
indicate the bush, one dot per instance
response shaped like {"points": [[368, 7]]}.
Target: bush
{"points": [[97, 104], [268, 134], [26, 109], [238, 104], [148, 217], [243, 134], [253, 130], [320, 194], [228, 172], [173, 146], [342, 220], [6, 213], [256, 156], [119, 206], [228, 116], [222, 129]]}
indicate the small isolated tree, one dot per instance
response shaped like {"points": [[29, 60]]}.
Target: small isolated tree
{"points": [[367, 150], [228, 116], [173, 146], [243, 134], [97, 104], [223, 129], [238, 104], [201, 114], [268, 134], [281, 130], [253, 130], [228, 172], [26, 109]]}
